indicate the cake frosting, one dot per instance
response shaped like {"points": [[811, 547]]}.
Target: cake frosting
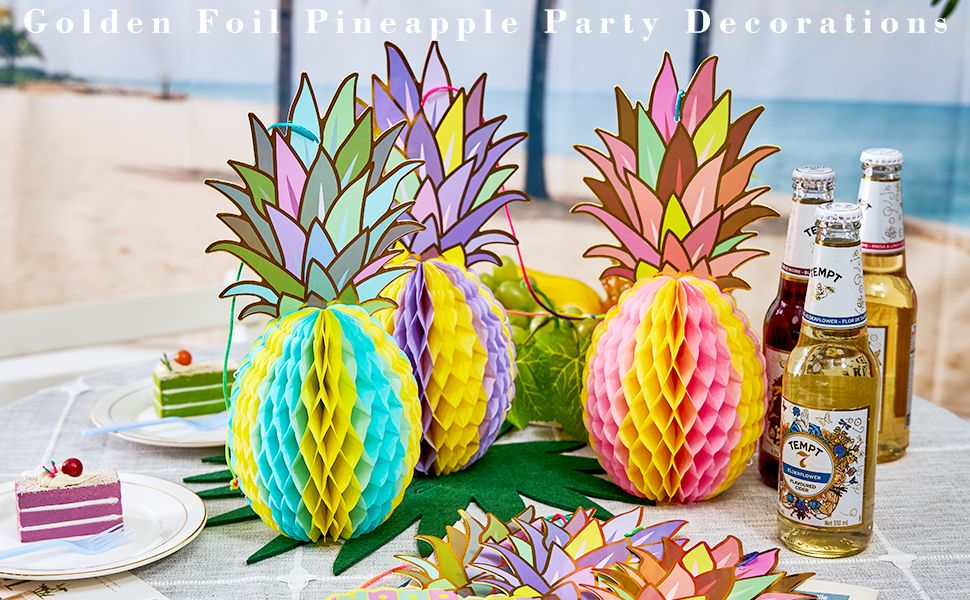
{"points": [[63, 480], [174, 369]]}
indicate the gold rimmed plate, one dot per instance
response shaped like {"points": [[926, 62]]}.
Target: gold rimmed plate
{"points": [[133, 403], [161, 517]]}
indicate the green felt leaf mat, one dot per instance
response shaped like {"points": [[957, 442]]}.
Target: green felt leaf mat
{"points": [[541, 471]]}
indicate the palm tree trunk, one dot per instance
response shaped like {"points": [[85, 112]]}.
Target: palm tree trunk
{"points": [[702, 41], [535, 176], [284, 63], [10, 71]]}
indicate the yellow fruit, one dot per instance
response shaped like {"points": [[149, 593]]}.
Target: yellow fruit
{"points": [[566, 292]]}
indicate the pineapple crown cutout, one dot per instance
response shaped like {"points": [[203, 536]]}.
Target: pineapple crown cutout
{"points": [[318, 218], [673, 192], [460, 184]]}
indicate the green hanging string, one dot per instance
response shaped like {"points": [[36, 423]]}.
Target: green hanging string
{"points": [[225, 362], [225, 357]]}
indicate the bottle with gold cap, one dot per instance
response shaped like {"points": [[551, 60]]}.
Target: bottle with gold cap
{"points": [[811, 187], [830, 402], [889, 294]]}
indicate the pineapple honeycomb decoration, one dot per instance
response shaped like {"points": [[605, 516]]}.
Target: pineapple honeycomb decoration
{"points": [[324, 418], [674, 384], [450, 326]]}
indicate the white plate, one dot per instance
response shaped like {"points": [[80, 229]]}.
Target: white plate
{"points": [[160, 516], [135, 403]]}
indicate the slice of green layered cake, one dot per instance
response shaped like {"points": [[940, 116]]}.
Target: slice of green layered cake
{"points": [[186, 389]]}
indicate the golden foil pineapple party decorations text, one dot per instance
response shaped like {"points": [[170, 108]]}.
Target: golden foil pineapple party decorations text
{"points": [[674, 383]]}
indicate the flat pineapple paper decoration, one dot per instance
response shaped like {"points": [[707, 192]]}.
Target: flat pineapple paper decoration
{"points": [[578, 556], [450, 326], [701, 571], [674, 386], [324, 420]]}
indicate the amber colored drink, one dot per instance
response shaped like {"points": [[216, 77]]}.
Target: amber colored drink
{"points": [[830, 403], [811, 187], [889, 294]]}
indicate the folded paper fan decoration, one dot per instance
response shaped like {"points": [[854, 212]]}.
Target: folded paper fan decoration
{"points": [[449, 324], [674, 383], [324, 418], [579, 556]]}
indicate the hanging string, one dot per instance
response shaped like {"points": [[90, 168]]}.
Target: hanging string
{"points": [[225, 356], [294, 127], [435, 90], [386, 573], [540, 298], [528, 282]]}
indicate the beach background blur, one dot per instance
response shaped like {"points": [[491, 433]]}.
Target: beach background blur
{"points": [[101, 194]]}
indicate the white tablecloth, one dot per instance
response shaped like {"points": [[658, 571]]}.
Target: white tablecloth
{"points": [[919, 550]]}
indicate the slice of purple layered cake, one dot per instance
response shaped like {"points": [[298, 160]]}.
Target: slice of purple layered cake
{"points": [[67, 502]]}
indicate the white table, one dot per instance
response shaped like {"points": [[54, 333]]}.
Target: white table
{"points": [[919, 550]]}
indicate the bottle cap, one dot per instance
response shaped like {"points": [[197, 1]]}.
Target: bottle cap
{"points": [[886, 157], [813, 176], [839, 212]]}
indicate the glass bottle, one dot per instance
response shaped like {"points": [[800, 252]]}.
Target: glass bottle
{"points": [[830, 402], [811, 187], [889, 294]]}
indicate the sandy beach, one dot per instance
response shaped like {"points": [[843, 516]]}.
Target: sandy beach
{"points": [[102, 197]]}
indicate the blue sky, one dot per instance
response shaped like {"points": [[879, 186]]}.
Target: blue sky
{"points": [[900, 67]]}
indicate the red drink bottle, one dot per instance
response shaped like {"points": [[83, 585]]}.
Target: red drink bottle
{"points": [[811, 187]]}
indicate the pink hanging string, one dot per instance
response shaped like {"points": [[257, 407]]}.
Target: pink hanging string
{"points": [[518, 250], [377, 578]]}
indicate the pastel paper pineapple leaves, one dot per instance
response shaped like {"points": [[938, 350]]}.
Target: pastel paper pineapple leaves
{"points": [[674, 182], [531, 556], [318, 218], [674, 383], [460, 184], [450, 326], [324, 418], [700, 571]]}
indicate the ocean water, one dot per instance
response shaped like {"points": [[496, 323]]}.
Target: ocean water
{"points": [[935, 139]]}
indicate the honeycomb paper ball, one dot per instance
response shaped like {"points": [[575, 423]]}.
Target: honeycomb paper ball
{"points": [[457, 338], [674, 390], [324, 424]]}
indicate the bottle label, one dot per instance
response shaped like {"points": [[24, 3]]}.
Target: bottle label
{"points": [[877, 343], [771, 438], [912, 361], [835, 297], [800, 239], [882, 216], [823, 458]]}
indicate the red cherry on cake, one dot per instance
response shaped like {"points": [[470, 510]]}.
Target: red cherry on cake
{"points": [[183, 357], [72, 467]]}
